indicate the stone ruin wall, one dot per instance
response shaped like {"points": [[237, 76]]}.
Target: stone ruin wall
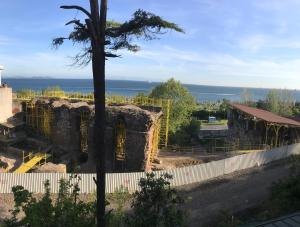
{"points": [[243, 129], [141, 125]]}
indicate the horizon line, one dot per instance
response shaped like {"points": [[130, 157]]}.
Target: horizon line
{"points": [[147, 81]]}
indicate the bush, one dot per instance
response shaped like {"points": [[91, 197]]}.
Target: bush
{"points": [[117, 217], [185, 134], [157, 204], [66, 211], [285, 196]]}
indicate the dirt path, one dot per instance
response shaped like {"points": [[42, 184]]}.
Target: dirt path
{"points": [[234, 193]]}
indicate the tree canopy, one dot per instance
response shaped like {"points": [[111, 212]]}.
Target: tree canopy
{"points": [[142, 25], [183, 103], [280, 102]]}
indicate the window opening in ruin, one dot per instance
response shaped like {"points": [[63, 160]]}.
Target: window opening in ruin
{"points": [[120, 139], [84, 125], [46, 121]]}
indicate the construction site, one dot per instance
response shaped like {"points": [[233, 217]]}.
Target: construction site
{"points": [[53, 132]]}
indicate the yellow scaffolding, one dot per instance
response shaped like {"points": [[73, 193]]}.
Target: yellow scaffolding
{"points": [[155, 141], [120, 145], [43, 124], [34, 159], [39, 117]]}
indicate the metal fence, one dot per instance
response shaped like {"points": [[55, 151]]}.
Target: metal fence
{"points": [[181, 176]]}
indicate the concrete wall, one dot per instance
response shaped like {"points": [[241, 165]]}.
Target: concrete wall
{"points": [[5, 103]]}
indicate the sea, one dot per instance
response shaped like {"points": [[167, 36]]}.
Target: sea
{"points": [[202, 93]]}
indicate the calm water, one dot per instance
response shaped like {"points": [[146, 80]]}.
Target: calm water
{"points": [[131, 88]]}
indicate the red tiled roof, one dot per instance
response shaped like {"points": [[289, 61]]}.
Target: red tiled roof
{"points": [[265, 115]]}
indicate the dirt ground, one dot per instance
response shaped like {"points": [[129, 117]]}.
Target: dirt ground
{"points": [[234, 193], [172, 160], [11, 159]]}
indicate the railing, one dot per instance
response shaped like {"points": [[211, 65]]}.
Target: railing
{"points": [[217, 148]]}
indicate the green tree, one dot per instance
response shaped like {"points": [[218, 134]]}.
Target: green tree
{"points": [[272, 101], [246, 97], [182, 106], [101, 39], [280, 102]]}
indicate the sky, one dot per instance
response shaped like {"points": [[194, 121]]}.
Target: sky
{"points": [[247, 43]]}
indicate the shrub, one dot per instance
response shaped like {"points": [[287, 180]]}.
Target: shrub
{"points": [[117, 217], [285, 196], [66, 211], [157, 204]]}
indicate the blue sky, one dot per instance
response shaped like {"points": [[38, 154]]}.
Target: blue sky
{"points": [[251, 43]]}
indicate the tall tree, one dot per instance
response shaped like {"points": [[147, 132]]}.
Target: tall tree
{"points": [[183, 102], [280, 102], [246, 97], [101, 39]]}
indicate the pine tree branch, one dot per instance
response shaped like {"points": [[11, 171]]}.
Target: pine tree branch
{"points": [[78, 8], [77, 22]]}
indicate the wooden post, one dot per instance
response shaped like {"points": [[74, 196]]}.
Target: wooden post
{"points": [[267, 131], [276, 129]]}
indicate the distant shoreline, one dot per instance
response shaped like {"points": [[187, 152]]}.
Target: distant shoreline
{"points": [[142, 81], [130, 88]]}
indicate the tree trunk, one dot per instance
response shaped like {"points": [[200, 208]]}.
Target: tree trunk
{"points": [[98, 66]]}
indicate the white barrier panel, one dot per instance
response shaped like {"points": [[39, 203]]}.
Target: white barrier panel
{"points": [[34, 182]]}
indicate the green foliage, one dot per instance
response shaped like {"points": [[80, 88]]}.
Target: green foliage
{"points": [[55, 91], [296, 109], [285, 196], [183, 103], [140, 96], [117, 217], [66, 211], [207, 109], [280, 102], [186, 133], [25, 93], [247, 98], [142, 25], [157, 204]]}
